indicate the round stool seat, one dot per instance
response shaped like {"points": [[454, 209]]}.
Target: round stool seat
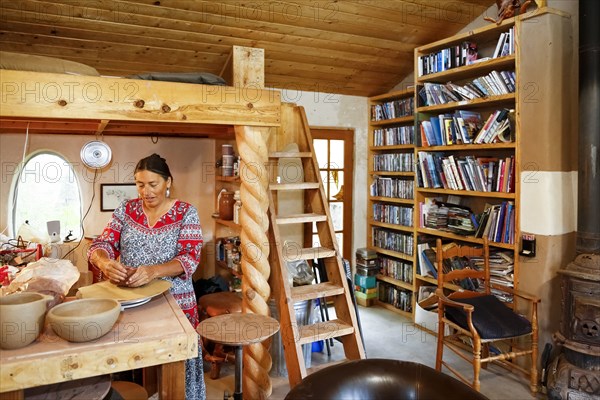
{"points": [[211, 305], [219, 303], [130, 390]]}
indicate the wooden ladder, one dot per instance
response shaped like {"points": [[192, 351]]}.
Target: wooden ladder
{"points": [[316, 210]]}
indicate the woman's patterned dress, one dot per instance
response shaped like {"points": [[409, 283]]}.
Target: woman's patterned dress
{"points": [[177, 235]]}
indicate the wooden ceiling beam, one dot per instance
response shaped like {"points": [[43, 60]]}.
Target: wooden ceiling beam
{"points": [[273, 44], [181, 20], [116, 52], [285, 17], [73, 26]]}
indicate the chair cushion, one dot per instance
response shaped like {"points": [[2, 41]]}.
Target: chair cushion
{"points": [[491, 318]]}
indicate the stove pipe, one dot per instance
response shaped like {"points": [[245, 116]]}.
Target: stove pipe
{"points": [[588, 211], [574, 373]]}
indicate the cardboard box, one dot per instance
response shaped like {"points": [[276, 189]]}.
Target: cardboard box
{"points": [[427, 319], [365, 300]]}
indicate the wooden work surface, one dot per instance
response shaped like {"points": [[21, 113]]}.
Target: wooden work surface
{"points": [[156, 333], [238, 329]]}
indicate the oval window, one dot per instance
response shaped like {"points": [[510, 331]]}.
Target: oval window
{"points": [[47, 190]]}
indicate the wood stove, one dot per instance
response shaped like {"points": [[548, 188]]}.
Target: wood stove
{"points": [[575, 373]]}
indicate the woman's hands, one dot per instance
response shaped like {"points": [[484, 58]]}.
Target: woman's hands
{"points": [[143, 274], [114, 271]]}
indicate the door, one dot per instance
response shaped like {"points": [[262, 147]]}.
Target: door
{"points": [[334, 149]]}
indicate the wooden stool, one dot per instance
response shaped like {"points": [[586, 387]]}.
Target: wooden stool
{"points": [[211, 305], [238, 330], [129, 390]]}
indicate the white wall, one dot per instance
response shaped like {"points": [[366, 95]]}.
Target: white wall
{"points": [[191, 162]]}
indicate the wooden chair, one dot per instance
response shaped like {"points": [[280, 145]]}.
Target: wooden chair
{"points": [[482, 328]]}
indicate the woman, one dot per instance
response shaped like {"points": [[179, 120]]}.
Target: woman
{"points": [[153, 237]]}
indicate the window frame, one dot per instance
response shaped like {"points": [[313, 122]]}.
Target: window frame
{"points": [[14, 192]]}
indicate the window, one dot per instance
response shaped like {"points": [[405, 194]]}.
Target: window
{"points": [[46, 189]]}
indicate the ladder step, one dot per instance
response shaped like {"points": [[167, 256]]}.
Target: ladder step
{"points": [[290, 154], [323, 330], [308, 253], [294, 186], [300, 218], [317, 291]]}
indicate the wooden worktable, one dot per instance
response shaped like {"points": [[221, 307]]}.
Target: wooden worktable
{"points": [[156, 333]]}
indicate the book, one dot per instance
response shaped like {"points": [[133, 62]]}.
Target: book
{"points": [[429, 260], [499, 45]]}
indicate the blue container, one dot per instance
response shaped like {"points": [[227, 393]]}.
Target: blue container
{"points": [[317, 347], [367, 282]]}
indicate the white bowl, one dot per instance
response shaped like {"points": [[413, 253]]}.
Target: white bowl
{"points": [[84, 320]]}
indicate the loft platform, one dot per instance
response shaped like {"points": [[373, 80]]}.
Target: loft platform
{"points": [[78, 104]]}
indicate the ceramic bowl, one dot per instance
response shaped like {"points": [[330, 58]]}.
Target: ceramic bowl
{"points": [[21, 318], [84, 320]]}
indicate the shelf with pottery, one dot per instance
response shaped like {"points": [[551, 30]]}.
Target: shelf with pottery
{"points": [[156, 333]]}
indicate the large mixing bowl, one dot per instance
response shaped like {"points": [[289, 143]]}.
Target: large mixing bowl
{"points": [[84, 320]]}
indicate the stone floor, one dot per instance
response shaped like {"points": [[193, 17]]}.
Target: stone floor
{"points": [[389, 335]]}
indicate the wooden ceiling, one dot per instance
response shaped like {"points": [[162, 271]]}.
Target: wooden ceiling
{"points": [[356, 47]]}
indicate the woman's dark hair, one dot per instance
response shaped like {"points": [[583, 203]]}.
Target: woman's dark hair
{"points": [[156, 164]]}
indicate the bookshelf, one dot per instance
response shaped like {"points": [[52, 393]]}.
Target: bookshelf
{"points": [[390, 213], [467, 156], [457, 165], [539, 56]]}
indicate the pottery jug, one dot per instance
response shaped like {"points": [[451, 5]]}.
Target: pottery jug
{"points": [[21, 318], [226, 202]]}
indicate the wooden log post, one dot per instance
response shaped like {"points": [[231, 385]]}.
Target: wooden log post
{"points": [[247, 71], [255, 252]]}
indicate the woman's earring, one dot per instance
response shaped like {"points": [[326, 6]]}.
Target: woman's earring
{"points": [[168, 192]]}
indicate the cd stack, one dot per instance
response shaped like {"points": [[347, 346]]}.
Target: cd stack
{"points": [[364, 280]]}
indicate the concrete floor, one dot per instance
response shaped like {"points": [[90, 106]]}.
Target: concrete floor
{"points": [[389, 335]]}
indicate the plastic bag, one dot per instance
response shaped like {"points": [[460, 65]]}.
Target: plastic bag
{"points": [[48, 276], [301, 272]]}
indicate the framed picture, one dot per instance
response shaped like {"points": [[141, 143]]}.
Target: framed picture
{"points": [[113, 194]]}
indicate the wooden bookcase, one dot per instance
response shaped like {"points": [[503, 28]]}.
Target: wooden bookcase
{"points": [[390, 202], [541, 60], [542, 28]]}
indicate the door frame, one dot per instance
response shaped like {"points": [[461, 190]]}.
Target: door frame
{"points": [[347, 135]]}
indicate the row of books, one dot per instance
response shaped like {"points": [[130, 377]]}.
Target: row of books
{"points": [[497, 128], [465, 127], [394, 136], [393, 241], [481, 174], [501, 265], [506, 44], [393, 109], [392, 187], [394, 162], [400, 270], [401, 299], [493, 84], [458, 55], [497, 223], [449, 217], [392, 214]]}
